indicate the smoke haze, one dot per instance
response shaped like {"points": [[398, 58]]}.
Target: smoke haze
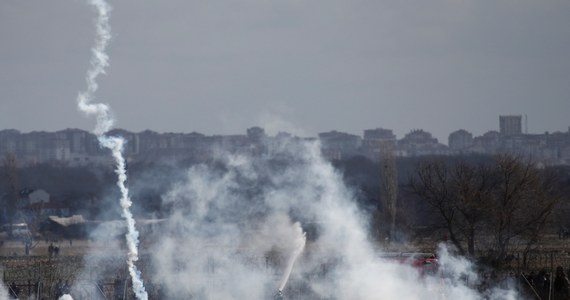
{"points": [[234, 228], [233, 225]]}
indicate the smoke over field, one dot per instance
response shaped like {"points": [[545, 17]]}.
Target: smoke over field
{"points": [[283, 224], [234, 226]]}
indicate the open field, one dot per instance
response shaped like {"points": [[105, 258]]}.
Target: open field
{"points": [[550, 246], [38, 273], [40, 248]]}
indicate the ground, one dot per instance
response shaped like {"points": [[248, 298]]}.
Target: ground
{"points": [[40, 248]]}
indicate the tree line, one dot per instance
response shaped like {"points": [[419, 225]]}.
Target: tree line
{"points": [[491, 206], [483, 203]]}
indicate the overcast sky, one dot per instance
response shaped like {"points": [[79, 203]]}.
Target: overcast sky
{"points": [[303, 66]]}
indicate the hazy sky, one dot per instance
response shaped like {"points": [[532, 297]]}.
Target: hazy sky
{"points": [[303, 66]]}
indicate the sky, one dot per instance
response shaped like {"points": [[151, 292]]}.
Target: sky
{"points": [[301, 66]]}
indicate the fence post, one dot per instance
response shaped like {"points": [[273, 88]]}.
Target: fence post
{"points": [[551, 261]]}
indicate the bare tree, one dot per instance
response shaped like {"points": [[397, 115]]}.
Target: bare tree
{"points": [[389, 186], [521, 205], [509, 199], [472, 189], [433, 184]]}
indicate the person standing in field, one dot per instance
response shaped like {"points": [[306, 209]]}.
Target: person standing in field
{"points": [[561, 285]]}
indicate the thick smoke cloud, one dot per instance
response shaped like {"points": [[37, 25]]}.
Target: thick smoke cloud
{"points": [[234, 224], [231, 227], [235, 228]]}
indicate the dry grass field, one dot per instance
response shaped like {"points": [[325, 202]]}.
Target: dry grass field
{"points": [[83, 263], [73, 264]]}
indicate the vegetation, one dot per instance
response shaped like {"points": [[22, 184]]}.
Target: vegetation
{"points": [[490, 205], [389, 188], [487, 206]]}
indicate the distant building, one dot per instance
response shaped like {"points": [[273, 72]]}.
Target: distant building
{"points": [[460, 140], [418, 143], [258, 141], [379, 134], [565, 155], [337, 145], [37, 204], [510, 125], [75, 147], [82, 146], [527, 145], [237, 143], [375, 140], [488, 143], [256, 134], [9, 140]]}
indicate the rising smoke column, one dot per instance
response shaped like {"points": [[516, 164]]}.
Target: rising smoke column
{"points": [[231, 224], [99, 61], [299, 246]]}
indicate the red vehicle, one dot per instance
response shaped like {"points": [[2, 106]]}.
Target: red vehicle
{"points": [[425, 262]]}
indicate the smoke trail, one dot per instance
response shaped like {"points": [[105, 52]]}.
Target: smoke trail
{"points": [[132, 236], [299, 246], [99, 61], [3, 290]]}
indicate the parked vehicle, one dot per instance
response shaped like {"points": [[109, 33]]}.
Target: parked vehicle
{"points": [[19, 231]]}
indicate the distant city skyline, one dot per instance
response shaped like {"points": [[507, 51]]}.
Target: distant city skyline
{"points": [[295, 66], [509, 125], [523, 129], [79, 147]]}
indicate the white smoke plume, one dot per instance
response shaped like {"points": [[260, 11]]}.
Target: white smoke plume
{"points": [[299, 246], [234, 225], [132, 236], [99, 62], [65, 297]]}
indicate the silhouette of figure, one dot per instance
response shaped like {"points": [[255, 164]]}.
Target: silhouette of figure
{"points": [[50, 250], [66, 287], [561, 284], [119, 287], [59, 288]]}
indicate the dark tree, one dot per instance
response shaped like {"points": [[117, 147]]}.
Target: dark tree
{"points": [[491, 204], [12, 195], [522, 203]]}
